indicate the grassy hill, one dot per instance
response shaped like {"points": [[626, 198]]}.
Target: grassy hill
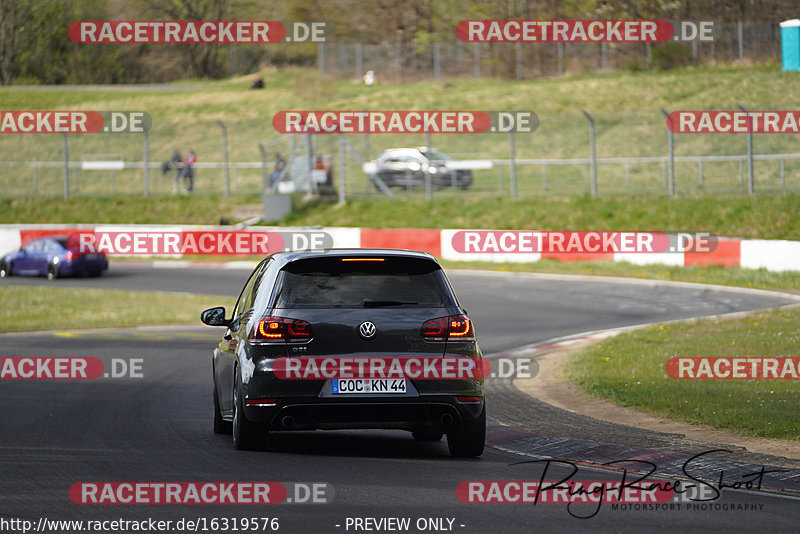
{"points": [[625, 106]]}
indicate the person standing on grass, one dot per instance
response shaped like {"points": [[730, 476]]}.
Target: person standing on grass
{"points": [[175, 163], [188, 171]]}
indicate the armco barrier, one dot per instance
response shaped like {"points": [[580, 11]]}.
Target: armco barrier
{"points": [[773, 255]]}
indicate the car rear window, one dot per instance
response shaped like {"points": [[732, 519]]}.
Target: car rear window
{"points": [[356, 282]]}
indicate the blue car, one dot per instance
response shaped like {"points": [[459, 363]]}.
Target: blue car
{"points": [[51, 257]]}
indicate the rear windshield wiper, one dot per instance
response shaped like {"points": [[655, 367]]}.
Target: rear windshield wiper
{"points": [[369, 303]]}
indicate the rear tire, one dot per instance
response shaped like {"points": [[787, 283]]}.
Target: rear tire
{"points": [[52, 272], [467, 438], [247, 436], [221, 426], [5, 269], [427, 435]]}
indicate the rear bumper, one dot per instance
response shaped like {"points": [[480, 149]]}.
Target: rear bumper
{"points": [[408, 413], [67, 268]]}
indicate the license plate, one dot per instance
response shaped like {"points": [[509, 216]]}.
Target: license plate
{"points": [[92, 256], [350, 386]]}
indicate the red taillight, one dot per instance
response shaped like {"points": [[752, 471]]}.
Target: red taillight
{"points": [[451, 328], [73, 255], [281, 330], [69, 255], [256, 402], [470, 400]]}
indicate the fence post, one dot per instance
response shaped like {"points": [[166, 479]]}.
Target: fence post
{"points": [[225, 165], [750, 177], [604, 55], [593, 152], [586, 177], [310, 160], [398, 47], [429, 187], [700, 172], [359, 62], [627, 173], [513, 155], [437, 63], [342, 193], [560, 52], [476, 57], [671, 142], [741, 39], [146, 151], [36, 179], [518, 50], [321, 58], [264, 175], [544, 177], [783, 173], [66, 168]]}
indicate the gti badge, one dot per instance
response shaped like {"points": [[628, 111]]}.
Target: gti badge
{"points": [[367, 329]]}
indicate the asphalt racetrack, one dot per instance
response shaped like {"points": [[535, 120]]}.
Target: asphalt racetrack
{"points": [[157, 428]]}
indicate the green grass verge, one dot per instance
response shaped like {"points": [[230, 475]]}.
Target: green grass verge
{"points": [[765, 217], [788, 281], [629, 370], [32, 308], [122, 209]]}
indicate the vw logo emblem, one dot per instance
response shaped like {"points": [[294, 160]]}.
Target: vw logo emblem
{"points": [[367, 329]]}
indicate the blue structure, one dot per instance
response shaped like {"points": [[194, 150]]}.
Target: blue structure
{"points": [[790, 44]]}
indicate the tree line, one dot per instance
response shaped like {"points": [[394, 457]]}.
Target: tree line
{"points": [[35, 48]]}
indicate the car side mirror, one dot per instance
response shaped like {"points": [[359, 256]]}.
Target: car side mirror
{"points": [[214, 317]]}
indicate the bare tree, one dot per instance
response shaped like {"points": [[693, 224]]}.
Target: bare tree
{"points": [[13, 16], [202, 57]]}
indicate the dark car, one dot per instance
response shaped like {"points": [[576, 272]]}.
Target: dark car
{"points": [[52, 257], [342, 306], [408, 168]]}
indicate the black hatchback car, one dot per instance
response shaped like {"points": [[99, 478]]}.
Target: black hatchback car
{"points": [[339, 307]]}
